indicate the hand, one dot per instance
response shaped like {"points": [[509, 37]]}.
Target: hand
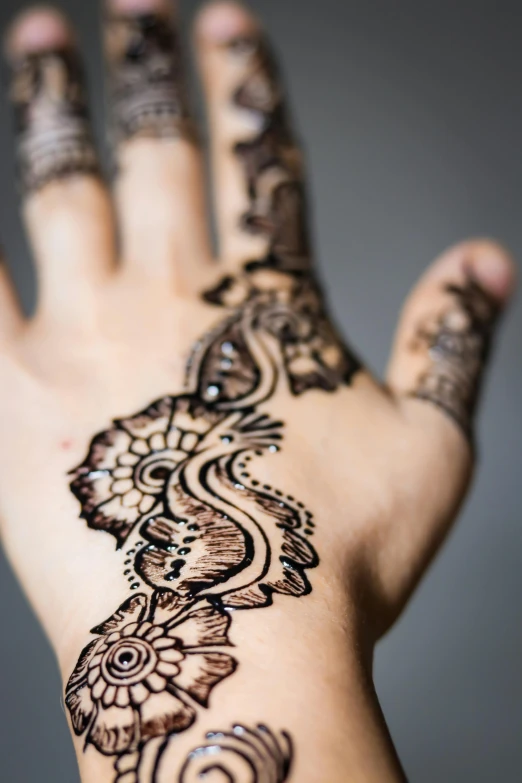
{"points": [[191, 458]]}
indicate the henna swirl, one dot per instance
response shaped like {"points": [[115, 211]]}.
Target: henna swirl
{"points": [[242, 755]]}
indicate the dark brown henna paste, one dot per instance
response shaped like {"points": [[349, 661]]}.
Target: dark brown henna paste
{"points": [[241, 755], [172, 474], [207, 537], [276, 296], [52, 125], [459, 343], [271, 160], [143, 678], [147, 92], [271, 304], [202, 536]]}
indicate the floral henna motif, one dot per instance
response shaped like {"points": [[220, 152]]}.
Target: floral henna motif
{"points": [[142, 679], [147, 90], [123, 480], [171, 473], [54, 139], [242, 755], [459, 342]]}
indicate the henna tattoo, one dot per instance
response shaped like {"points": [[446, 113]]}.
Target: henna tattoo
{"points": [[171, 472], [52, 125], [276, 296], [142, 677], [147, 88], [459, 342], [201, 536], [271, 161], [242, 755], [271, 304]]}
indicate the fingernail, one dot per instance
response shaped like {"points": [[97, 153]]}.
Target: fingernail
{"points": [[221, 22], [494, 270], [138, 6], [36, 30]]}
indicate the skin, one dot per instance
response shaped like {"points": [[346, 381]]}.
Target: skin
{"points": [[384, 472]]}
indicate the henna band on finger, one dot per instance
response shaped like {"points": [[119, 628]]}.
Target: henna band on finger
{"points": [[459, 344], [147, 92], [52, 123]]}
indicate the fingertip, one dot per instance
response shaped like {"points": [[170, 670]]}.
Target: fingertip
{"points": [[494, 268], [36, 30], [487, 261], [220, 22], [138, 6]]}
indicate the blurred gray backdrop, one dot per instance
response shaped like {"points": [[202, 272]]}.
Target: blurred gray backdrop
{"points": [[412, 117]]}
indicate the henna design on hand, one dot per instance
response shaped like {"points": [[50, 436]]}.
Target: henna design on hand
{"points": [[242, 755], [142, 678], [146, 85], [52, 124], [171, 472], [271, 161], [459, 343], [172, 484], [276, 296], [271, 304]]}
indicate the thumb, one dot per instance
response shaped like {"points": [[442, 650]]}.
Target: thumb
{"points": [[445, 335], [437, 367]]}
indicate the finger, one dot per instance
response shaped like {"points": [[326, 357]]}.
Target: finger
{"points": [[160, 186], [444, 338], [257, 167], [11, 319], [66, 206], [436, 370]]}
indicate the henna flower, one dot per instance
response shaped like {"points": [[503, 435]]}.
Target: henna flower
{"points": [[139, 679], [123, 480]]}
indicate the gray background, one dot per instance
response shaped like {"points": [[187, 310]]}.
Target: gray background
{"points": [[412, 118]]}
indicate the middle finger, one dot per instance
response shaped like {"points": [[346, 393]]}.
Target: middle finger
{"points": [[159, 187]]}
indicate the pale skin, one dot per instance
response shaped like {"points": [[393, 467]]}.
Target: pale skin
{"points": [[384, 473]]}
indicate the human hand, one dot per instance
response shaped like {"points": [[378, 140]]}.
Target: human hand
{"points": [[227, 407]]}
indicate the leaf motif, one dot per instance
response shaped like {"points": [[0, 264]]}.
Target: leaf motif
{"points": [[203, 626], [200, 672], [131, 611]]}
